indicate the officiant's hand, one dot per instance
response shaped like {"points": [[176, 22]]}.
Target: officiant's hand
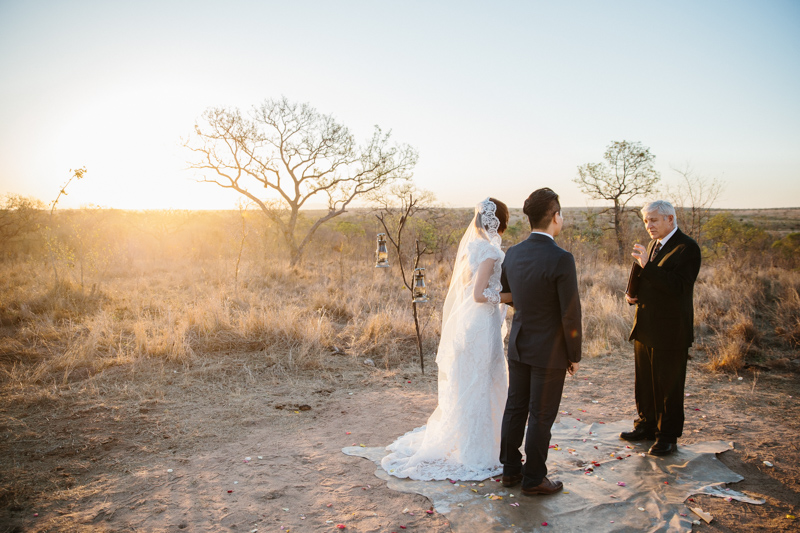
{"points": [[631, 300], [640, 254], [572, 368]]}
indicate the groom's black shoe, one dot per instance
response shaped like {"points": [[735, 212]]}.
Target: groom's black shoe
{"points": [[637, 434], [663, 448], [545, 487], [511, 481]]}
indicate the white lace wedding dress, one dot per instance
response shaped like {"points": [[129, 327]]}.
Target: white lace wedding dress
{"points": [[461, 440]]}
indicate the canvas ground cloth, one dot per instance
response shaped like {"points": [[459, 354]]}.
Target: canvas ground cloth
{"points": [[609, 485]]}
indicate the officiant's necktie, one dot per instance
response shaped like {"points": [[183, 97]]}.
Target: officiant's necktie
{"points": [[656, 250]]}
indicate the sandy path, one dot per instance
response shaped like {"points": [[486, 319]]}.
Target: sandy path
{"points": [[303, 482]]}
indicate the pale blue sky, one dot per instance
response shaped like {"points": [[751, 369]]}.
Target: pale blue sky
{"points": [[499, 100]]}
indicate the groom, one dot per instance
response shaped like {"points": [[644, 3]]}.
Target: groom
{"points": [[545, 342]]}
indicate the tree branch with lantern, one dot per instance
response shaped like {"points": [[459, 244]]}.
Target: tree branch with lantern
{"points": [[394, 213]]}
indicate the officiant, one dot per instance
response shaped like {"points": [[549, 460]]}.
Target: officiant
{"points": [[661, 287]]}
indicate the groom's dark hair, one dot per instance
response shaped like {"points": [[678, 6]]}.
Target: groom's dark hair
{"points": [[540, 207]]}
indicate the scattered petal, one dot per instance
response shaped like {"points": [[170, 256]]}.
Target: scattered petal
{"points": [[621, 483], [767, 463], [789, 516], [341, 526], [544, 524], [641, 508], [169, 470]]}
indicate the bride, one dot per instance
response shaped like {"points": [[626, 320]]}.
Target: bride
{"points": [[461, 440]]}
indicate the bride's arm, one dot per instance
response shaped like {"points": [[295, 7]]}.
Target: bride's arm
{"points": [[485, 270]]}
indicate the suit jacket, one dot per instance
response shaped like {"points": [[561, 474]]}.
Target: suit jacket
{"points": [[546, 328], [665, 311]]}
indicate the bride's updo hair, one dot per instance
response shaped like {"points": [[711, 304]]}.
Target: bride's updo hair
{"points": [[501, 212]]}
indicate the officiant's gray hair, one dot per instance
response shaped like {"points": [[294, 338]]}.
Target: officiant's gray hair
{"points": [[662, 207]]}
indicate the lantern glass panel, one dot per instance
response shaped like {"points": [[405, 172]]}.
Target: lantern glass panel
{"points": [[420, 291], [381, 253]]}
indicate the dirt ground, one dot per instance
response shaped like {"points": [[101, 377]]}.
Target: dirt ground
{"points": [[239, 447]]}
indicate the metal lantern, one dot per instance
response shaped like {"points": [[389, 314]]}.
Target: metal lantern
{"points": [[420, 291], [381, 253]]}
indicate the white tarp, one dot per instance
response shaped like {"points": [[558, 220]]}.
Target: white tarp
{"points": [[609, 485]]}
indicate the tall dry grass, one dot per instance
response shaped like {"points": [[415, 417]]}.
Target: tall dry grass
{"points": [[169, 293]]}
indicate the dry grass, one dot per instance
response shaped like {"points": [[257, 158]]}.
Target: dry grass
{"points": [[173, 301]]}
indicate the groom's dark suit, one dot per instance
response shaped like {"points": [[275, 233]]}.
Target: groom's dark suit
{"points": [[663, 330], [545, 337]]}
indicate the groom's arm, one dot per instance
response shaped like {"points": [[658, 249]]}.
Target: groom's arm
{"points": [[570, 301], [505, 294]]}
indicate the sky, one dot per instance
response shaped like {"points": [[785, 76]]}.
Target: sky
{"points": [[498, 98]]}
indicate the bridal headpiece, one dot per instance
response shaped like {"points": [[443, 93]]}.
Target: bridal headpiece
{"points": [[486, 218]]}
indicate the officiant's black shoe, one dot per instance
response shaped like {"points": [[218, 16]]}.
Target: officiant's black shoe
{"points": [[637, 434], [545, 487], [511, 481], [663, 448]]}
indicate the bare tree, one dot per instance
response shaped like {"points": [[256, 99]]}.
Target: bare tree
{"points": [[694, 195], [299, 156], [626, 174]]}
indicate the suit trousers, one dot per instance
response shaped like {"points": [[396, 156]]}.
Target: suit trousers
{"points": [[534, 394], [660, 379]]}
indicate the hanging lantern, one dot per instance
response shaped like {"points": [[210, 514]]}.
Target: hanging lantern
{"points": [[381, 253], [420, 291]]}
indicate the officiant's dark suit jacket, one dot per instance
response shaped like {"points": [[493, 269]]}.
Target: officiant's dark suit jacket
{"points": [[664, 311], [546, 328]]}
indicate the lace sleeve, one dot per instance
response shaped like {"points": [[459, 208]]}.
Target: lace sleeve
{"points": [[492, 295], [482, 250]]}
